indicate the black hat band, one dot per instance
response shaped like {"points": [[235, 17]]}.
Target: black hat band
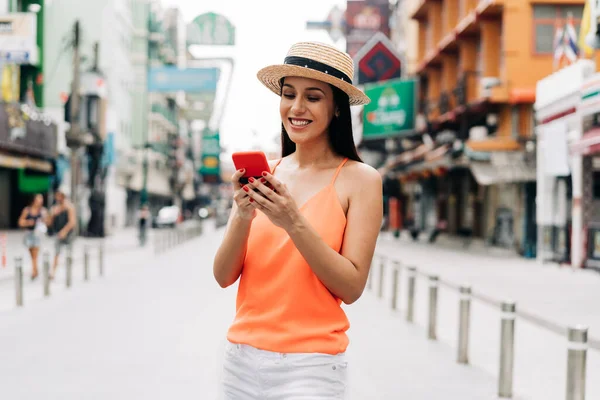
{"points": [[317, 66]]}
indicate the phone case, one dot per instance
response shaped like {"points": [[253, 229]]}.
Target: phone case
{"points": [[254, 162]]}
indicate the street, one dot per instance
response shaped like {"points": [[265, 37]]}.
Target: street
{"points": [[560, 295], [154, 327]]}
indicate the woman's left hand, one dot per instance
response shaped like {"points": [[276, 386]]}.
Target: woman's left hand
{"points": [[275, 201]]}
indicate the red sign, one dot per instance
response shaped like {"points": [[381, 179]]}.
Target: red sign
{"points": [[378, 61], [364, 18]]}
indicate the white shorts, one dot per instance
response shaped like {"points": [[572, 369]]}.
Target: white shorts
{"points": [[252, 374]]}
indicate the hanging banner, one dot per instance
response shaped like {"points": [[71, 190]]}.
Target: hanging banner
{"points": [[173, 79]]}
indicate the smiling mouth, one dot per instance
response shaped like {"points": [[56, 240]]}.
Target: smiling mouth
{"points": [[299, 122]]}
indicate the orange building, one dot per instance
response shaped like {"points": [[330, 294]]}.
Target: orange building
{"points": [[478, 64]]}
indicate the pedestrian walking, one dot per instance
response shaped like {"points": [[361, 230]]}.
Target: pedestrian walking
{"points": [[143, 221], [33, 219], [62, 220], [303, 242]]}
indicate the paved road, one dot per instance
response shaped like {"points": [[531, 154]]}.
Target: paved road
{"points": [[561, 295], [154, 328]]}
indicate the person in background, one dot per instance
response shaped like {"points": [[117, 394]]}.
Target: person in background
{"points": [[62, 219], [32, 218], [143, 221]]}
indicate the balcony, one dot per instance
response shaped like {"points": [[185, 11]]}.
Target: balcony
{"points": [[444, 104], [466, 91]]}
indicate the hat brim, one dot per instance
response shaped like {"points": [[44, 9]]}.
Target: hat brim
{"points": [[271, 77]]}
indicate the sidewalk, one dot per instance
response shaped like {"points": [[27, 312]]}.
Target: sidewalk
{"points": [[156, 330], [558, 294]]}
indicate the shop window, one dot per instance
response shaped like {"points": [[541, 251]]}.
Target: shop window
{"points": [[546, 18]]}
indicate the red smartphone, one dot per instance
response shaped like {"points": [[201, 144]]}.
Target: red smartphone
{"points": [[254, 162]]}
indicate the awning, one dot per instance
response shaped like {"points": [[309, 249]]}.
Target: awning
{"points": [[588, 144], [20, 162], [488, 174]]}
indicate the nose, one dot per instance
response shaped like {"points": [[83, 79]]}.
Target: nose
{"points": [[298, 107]]}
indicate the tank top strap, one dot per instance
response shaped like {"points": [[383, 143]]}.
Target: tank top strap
{"points": [[337, 171], [276, 165]]}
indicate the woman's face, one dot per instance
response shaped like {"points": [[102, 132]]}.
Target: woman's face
{"points": [[306, 108], [38, 200]]}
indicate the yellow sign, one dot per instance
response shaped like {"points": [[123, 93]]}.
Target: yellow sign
{"points": [[211, 162]]}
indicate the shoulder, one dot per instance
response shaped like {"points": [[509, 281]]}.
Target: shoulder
{"points": [[368, 176]]}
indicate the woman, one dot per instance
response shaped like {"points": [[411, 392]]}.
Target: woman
{"points": [[32, 218], [305, 246]]}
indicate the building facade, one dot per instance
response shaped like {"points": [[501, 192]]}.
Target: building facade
{"points": [[477, 80], [28, 136], [109, 25]]}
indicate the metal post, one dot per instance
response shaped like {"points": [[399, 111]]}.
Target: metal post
{"points": [[433, 305], [464, 325], [46, 272], [576, 362], [86, 264], [410, 304], [507, 350], [69, 271], [381, 276], [101, 259], [19, 280], [395, 279]]}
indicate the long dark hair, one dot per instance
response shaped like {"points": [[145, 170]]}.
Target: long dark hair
{"points": [[339, 131]]}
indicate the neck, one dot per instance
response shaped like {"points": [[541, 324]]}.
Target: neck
{"points": [[313, 153]]}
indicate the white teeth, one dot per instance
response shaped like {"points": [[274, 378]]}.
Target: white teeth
{"points": [[299, 122]]}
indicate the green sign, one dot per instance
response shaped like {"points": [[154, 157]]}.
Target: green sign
{"points": [[211, 29], [392, 109], [211, 151]]}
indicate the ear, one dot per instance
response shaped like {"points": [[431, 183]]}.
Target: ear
{"points": [[337, 112]]}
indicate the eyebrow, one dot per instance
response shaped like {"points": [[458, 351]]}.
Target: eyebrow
{"points": [[310, 88]]}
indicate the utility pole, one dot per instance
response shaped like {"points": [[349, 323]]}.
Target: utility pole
{"points": [[74, 133]]}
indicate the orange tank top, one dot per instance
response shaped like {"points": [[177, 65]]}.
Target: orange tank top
{"points": [[281, 304]]}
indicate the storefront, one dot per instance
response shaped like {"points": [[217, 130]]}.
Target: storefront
{"points": [[559, 219], [585, 153], [27, 155]]}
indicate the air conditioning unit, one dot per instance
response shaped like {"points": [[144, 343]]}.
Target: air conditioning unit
{"points": [[487, 84], [478, 133]]}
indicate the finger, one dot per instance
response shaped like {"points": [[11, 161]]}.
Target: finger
{"points": [[260, 185], [277, 185], [259, 200], [235, 178]]}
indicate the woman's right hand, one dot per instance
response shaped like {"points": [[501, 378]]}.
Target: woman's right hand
{"points": [[244, 209]]}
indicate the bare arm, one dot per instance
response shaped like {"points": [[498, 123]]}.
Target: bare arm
{"points": [[23, 222], [50, 217], [344, 274], [229, 260]]}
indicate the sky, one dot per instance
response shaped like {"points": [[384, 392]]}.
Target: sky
{"points": [[265, 30]]}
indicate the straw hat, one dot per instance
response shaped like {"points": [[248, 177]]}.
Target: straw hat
{"points": [[316, 61]]}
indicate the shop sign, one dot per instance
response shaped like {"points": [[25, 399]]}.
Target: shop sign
{"points": [[363, 20], [211, 151], [18, 35], [24, 130], [172, 79], [590, 95], [392, 110], [377, 61], [211, 29]]}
